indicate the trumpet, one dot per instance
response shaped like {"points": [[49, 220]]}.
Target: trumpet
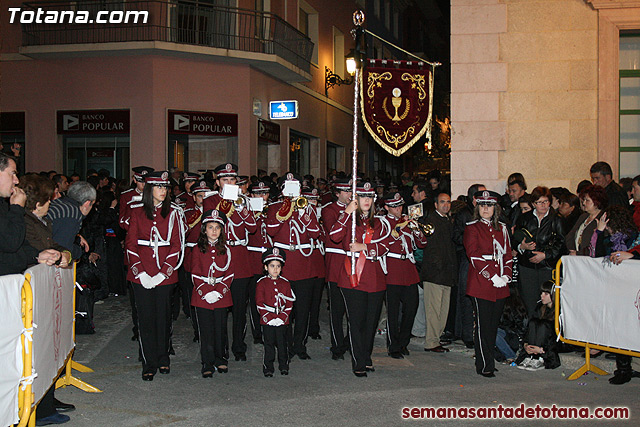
{"points": [[239, 202], [426, 229], [301, 202]]}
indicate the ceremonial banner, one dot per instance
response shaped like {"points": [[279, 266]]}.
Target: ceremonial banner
{"points": [[397, 99], [600, 302], [10, 346]]}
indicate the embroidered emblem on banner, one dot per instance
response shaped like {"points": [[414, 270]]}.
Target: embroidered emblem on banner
{"points": [[397, 99]]}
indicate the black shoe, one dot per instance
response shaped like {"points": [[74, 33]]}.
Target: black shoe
{"points": [[164, 369], [284, 372], [241, 357], [337, 356], [53, 419], [268, 374], [222, 370], [196, 338], [207, 374], [315, 337], [359, 374], [448, 336], [63, 407], [444, 342], [304, 356], [258, 340], [147, 377], [618, 379], [134, 337], [488, 374], [635, 374], [369, 369], [396, 355], [404, 351], [469, 344], [172, 351]]}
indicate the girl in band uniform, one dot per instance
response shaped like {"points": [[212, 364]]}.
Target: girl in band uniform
{"points": [[212, 274]]}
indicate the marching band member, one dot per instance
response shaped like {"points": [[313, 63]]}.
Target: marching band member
{"points": [[334, 261], [240, 224], [325, 192], [274, 299], [258, 244], [363, 292], [185, 199], [317, 263], [193, 218], [402, 277], [154, 247], [212, 275], [292, 227], [128, 197], [486, 241]]}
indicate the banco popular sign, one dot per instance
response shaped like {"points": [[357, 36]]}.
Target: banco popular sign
{"points": [[93, 122], [203, 123]]}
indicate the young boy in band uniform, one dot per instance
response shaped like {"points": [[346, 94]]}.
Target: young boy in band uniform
{"points": [[274, 299]]}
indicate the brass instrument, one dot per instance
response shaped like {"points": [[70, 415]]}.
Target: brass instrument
{"points": [[239, 202], [426, 229], [301, 202]]}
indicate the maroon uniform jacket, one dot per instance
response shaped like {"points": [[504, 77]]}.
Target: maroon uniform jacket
{"points": [[317, 257], [155, 246], [258, 243], [372, 278], [294, 236], [127, 198], [325, 198], [274, 299], [185, 200], [210, 272], [334, 257], [401, 268], [240, 224], [193, 218], [489, 253]]}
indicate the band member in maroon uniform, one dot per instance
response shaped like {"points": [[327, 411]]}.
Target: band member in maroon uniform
{"points": [[274, 299], [185, 198], [258, 244], [402, 277], [193, 218], [486, 241], [317, 263], [334, 261], [292, 225], [154, 246], [132, 196], [240, 224], [363, 292], [325, 192], [212, 274]]}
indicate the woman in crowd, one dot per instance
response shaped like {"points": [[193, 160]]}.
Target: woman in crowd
{"points": [[615, 231], [526, 203], [486, 242], [593, 200], [541, 246], [212, 274], [363, 292], [39, 191], [569, 210], [154, 245]]}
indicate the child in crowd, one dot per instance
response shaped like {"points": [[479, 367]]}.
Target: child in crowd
{"points": [[540, 345], [511, 328], [212, 274], [274, 299]]}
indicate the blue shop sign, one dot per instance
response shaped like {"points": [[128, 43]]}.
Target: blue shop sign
{"points": [[283, 110]]}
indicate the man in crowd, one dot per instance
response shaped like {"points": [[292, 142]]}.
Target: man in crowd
{"points": [[515, 189], [602, 175]]}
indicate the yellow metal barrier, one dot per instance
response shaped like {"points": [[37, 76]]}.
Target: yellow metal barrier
{"points": [[587, 346]]}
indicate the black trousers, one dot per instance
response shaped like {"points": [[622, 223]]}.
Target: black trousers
{"points": [[316, 300], [240, 296], [134, 310], [363, 314], [186, 287], [488, 315], [529, 286], [254, 316], [214, 339], [275, 336], [464, 309], [192, 309], [154, 325], [402, 305], [339, 343], [299, 320]]}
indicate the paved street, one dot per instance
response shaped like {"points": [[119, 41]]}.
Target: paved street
{"points": [[319, 391]]}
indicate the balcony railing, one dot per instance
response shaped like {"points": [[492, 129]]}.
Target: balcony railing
{"points": [[183, 22]]}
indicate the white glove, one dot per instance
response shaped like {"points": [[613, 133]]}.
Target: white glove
{"points": [[212, 297], [506, 279], [275, 322], [146, 280], [498, 282], [157, 279]]}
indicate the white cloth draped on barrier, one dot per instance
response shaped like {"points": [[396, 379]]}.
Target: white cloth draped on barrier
{"points": [[10, 346], [53, 314], [600, 303]]}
